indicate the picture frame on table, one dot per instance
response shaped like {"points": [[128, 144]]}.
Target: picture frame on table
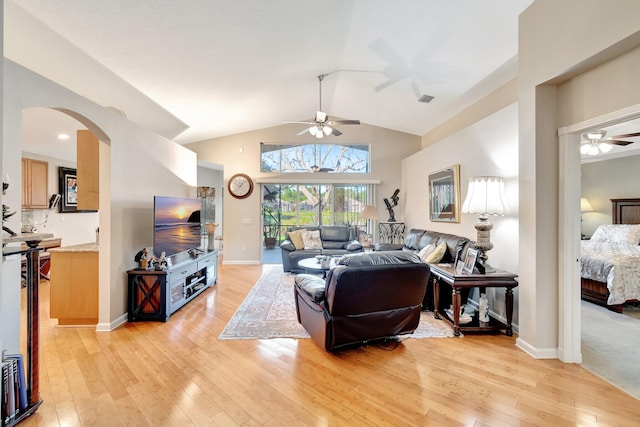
{"points": [[470, 261], [68, 189], [444, 195]]}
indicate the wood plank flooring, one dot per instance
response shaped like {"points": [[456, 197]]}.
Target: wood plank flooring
{"points": [[179, 374]]}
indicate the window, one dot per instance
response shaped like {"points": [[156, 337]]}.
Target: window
{"points": [[333, 158], [315, 204]]}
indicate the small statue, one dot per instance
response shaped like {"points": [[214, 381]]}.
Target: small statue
{"points": [[394, 198], [5, 211]]}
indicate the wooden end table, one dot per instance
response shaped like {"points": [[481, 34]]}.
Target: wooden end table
{"points": [[499, 279]]}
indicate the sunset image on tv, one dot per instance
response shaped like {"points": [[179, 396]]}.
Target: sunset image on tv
{"points": [[176, 225]]}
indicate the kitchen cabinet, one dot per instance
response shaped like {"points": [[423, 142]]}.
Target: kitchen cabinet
{"points": [[88, 170], [35, 184]]}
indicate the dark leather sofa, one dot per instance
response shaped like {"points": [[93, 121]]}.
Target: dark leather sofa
{"points": [[416, 239], [367, 297], [336, 240]]}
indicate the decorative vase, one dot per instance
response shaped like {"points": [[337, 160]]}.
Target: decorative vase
{"points": [[483, 309]]}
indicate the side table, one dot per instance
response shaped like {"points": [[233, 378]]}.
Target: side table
{"points": [[499, 279]]}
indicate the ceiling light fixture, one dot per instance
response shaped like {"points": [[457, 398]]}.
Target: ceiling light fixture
{"points": [[63, 136]]}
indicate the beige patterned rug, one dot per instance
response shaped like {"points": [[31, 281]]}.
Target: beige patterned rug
{"points": [[269, 312]]}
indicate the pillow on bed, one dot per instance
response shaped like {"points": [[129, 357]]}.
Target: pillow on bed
{"points": [[621, 234]]}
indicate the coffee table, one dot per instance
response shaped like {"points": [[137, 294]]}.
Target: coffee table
{"points": [[314, 266]]}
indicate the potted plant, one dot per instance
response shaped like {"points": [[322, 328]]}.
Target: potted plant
{"points": [[270, 225]]}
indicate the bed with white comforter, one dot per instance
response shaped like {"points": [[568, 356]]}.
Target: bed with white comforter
{"points": [[615, 263]]}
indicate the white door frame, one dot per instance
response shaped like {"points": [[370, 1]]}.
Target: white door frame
{"points": [[569, 315]]}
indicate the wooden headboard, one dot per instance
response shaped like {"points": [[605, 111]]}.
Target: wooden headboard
{"points": [[626, 211]]}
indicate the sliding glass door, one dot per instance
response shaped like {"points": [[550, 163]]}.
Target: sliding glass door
{"points": [[293, 205]]}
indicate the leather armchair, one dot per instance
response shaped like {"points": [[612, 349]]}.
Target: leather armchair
{"points": [[367, 297]]}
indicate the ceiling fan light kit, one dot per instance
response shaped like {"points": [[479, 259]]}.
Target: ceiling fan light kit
{"points": [[321, 126], [595, 143]]}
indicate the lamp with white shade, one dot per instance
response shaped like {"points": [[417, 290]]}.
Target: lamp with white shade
{"points": [[485, 196], [370, 212]]}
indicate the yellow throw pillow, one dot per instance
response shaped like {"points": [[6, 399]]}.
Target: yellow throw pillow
{"points": [[296, 238], [426, 251], [436, 256]]}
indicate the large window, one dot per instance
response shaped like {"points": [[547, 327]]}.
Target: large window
{"points": [[333, 158], [314, 204]]}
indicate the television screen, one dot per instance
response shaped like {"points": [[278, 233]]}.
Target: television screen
{"points": [[176, 224]]}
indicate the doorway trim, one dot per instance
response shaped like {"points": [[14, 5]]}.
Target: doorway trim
{"points": [[569, 326]]}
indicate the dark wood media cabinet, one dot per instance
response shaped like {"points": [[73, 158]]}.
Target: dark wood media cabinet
{"points": [[157, 294]]}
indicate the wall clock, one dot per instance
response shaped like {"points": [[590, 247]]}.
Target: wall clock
{"points": [[240, 186]]}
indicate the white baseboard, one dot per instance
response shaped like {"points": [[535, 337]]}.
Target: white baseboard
{"points": [[545, 353], [108, 327]]}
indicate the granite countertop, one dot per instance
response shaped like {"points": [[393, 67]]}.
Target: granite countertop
{"points": [[83, 247]]}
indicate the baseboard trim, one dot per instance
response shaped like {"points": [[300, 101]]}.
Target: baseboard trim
{"points": [[242, 262], [108, 327], [545, 353]]}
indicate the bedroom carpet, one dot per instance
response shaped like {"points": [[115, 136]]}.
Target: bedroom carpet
{"points": [[611, 346], [269, 311]]}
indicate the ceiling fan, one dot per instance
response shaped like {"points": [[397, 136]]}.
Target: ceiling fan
{"points": [[320, 123], [595, 142]]}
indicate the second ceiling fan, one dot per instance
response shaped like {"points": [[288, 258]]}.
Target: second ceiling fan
{"points": [[320, 124], [594, 142]]}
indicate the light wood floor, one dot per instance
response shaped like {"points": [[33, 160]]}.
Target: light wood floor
{"points": [[178, 373]]}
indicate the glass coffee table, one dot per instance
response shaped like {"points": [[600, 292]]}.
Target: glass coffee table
{"points": [[312, 265]]}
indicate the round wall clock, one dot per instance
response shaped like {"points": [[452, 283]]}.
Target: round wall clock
{"points": [[240, 186]]}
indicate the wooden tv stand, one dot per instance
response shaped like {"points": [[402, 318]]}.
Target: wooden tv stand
{"points": [[157, 294]]}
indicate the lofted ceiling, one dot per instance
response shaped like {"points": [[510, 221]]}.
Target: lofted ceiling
{"points": [[222, 67], [197, 70]]}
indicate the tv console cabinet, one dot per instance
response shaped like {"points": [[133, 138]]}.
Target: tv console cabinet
{"points": [[157, 294]]}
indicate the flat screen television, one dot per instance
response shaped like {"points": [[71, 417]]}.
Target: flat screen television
{"points": [[176, 224]]}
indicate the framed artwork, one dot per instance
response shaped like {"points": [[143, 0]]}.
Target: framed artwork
{"points": [[68, 189], [470, 260], [444, 195]]}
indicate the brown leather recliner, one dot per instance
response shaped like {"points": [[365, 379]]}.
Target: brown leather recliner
{"points": [[367, 297]]}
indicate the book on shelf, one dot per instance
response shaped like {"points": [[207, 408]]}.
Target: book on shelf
{"points": [[14, 388]]}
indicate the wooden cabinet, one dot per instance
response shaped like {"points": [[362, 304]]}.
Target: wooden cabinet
{"points": [[35, 184], [74, 284], [88, 170], [156, 295]]}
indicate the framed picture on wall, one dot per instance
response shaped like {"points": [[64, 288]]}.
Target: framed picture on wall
{"points": [[68, 189], [444, 195]]}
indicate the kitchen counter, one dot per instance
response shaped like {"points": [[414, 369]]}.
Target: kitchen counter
{"points": [[74, 284], [83, 247]]}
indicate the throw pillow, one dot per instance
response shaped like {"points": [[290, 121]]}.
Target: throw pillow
{"points": [[620, 234], [296, 238], [312, 240], [426, 251], [436, 256]]}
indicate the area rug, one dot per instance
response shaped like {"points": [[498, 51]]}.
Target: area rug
{"points": [[611, 347], [269, 312]]}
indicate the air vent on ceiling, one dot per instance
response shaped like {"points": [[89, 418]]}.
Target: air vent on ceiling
{"points": [[426, 99]]}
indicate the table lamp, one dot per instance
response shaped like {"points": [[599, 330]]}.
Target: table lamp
{"points": [[370, 212], [485, 196]]}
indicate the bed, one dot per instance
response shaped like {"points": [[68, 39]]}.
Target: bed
{"points": [[610, 260]]}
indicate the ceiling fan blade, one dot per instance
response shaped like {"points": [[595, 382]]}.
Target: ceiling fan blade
{"points": [[304, 123], [617, 142], [302, 132], [335, 132], [344, 122], [626, 135]]}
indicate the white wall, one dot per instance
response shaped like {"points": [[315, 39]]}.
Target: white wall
{"points": [[135, 164], [606, 180], [241, 154], [487, 147]]}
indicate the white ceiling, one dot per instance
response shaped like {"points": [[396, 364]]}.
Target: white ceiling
{"points": [[203, 69]]}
